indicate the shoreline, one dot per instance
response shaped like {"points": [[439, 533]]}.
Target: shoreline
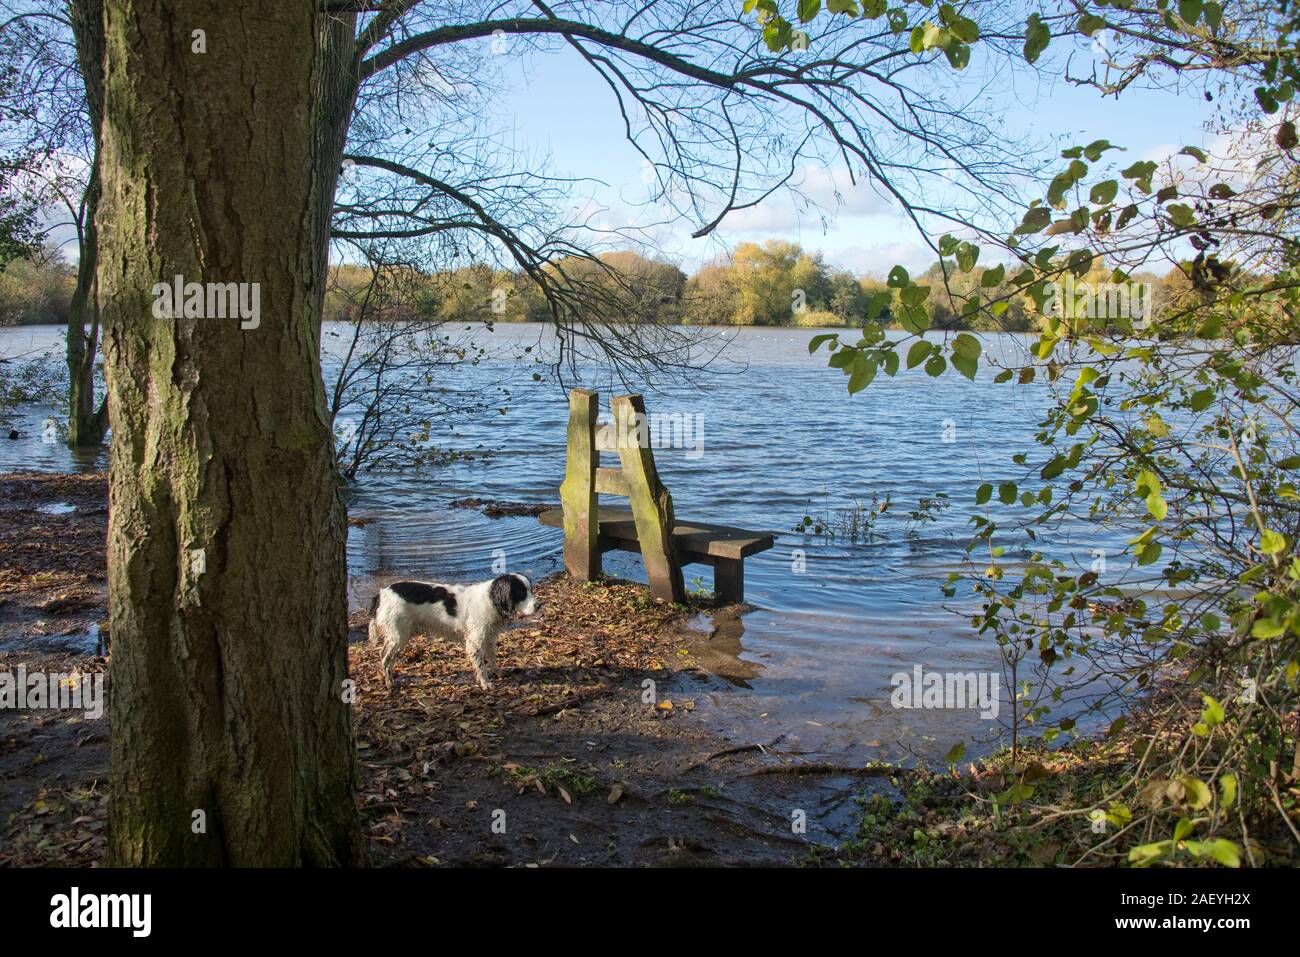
{"points": [[569, 749], [587, 762]]}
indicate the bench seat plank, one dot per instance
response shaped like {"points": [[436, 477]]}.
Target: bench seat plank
{"points": [[618, 530]]}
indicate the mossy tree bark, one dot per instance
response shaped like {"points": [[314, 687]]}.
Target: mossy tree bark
{"points": [[226, 534]]}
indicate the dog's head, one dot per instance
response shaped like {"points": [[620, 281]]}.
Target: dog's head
{"points": [[512, 596]]}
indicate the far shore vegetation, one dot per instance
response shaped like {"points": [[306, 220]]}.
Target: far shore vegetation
{"points": [[774, 283]]}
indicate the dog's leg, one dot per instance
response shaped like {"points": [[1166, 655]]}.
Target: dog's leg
{"points": [[395, 641], [477, 644], [490, 658]]}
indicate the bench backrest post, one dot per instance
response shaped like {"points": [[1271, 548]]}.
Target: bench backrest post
{"points": [[578, 492], [652, 506]]}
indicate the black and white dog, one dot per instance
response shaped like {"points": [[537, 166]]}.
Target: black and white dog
{"points": [[477, 613]]}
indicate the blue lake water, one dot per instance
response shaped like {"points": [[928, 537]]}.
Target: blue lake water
{"points": [[833, 621]]}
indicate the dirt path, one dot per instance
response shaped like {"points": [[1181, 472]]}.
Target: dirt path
{"points": [[587, 751]]}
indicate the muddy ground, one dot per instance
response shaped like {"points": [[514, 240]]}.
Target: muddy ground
{"points": [[587, 751]]}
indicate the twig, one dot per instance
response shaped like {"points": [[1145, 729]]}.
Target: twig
{"points": [[874, 770], [742, 749]]}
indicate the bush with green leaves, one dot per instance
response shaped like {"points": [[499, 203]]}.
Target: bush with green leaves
{"points": [[1176, 430]]}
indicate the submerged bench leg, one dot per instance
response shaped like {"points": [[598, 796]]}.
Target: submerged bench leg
{"points": [[729, 578], [652, 506]]}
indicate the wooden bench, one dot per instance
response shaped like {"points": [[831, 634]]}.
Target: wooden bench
{"points": [[649, 527], [696, 543]]}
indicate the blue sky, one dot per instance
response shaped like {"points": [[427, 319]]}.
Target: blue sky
{"points": [[558, 106]]}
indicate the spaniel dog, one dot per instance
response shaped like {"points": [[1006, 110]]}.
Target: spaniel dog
{"points": [[477, 613]]}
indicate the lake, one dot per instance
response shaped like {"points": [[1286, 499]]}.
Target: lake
{"points": [[833, 621]]}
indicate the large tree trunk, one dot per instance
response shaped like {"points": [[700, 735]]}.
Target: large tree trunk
{"points": [[87, 422], [228, 669]]}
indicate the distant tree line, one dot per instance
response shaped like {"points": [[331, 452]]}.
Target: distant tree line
{"points": [[36, 288], [775, 283]]}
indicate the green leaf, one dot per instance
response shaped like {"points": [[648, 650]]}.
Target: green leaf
{"points": [[1007, 493], [1064, 180], [1054, 468], [958, 55], [1266, 629], [815, 342], [1037, 36], [918, 353], [1036, 219], [1148, 553], [966, 365], [1148, 485], [1094, 150], [1228, 788], [1198, 793], [1141, 173], [935, 365], [955, 753], [983, 494], [1103, 193], [964, 29], [1118, 815], [808, 9], [1158, 426], [1221, 850], [966, 345], [1020, 791], [864, 370], [1272, 543], [1090, 23], [1144, 855], [777, 34], [1226, 853], [913, 319], [913, 295]]}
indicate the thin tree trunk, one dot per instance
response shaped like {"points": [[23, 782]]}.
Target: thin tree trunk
{"points": [[232, 741], [87, 422]]}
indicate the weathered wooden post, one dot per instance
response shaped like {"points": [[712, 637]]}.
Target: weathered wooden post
{"points": [[578, 491], [652, 506], [652, 529]]}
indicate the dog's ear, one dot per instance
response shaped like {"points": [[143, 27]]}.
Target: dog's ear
{"points": [[501, 595]]}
